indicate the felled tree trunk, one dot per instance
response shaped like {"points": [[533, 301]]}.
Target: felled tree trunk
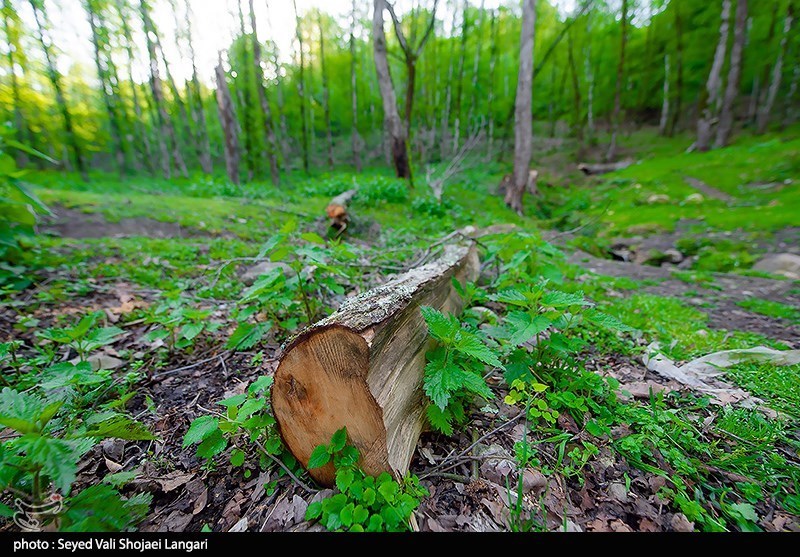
{"points": [[362, 368], [337, 211], [603, 168]]}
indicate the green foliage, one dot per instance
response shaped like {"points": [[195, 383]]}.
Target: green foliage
{"points": [[101, 508], [362, 503], [771, 309]]}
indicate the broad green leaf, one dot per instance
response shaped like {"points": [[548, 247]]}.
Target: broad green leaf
{"points": [[237, 457], [259, 385], [525, 327], [440, 326], [605, 320], [119, 427], [440, 381], [314, 510], [191, 330], [558, 299], [200, 429], [469, 344], [339, 440], [248, 335], [212, 445], [235, 400], [319, 457], [440, 419], [344, 478]]}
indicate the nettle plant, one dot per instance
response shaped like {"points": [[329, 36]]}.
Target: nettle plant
{"points": [[179, 323], [303, 282], [245, 424], [363, 503]]}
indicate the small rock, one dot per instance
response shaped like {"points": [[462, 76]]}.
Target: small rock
{"points": [[694, 198], [680, 523], [702, 333], [673, 256], [657, 198], [262, 268], [785, 264], [618, 492]]}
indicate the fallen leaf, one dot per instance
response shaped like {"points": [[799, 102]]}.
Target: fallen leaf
{"points": [[240, 526], [174, 480], [112, 466], [647, 525], [176, 522], [680, 523]]}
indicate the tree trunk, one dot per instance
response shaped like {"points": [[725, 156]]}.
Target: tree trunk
{"points": [[393, 123], [589, 82], [11, 29], [734, 74], [676, 114], [55, 79], [355, 138], [788, 115], [762, 78], [167, 132], [106, 86], [244, 97], [227, 118], [708, 100], [612, 149], [269, 123], [460, 79], [476, 67], [577, 124], [363, 367], [202, 141], [326, 107], [143, 150], [522, 112], [301, 93], [662, 126], [448, 94], [491, 95], [777, 71]]}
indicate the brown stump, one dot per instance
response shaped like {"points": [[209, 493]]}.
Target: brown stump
{"points": [[362, 368]]}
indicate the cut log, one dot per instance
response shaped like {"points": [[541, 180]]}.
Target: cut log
{"points": [[337, 211], [603, 168], [362, 368]]}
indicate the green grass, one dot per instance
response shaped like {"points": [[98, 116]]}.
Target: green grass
{"points": [[779, 386], [771, 309]]}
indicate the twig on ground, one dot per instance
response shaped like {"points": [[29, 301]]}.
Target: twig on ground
{"points": [[191, 366], [277, 461]]}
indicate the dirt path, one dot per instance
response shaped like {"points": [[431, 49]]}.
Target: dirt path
{"points": [[70, 223]]}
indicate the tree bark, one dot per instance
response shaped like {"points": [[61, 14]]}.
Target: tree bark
{"points": [[142, 140], [760, 81], [355, 137], [491, 95], [229, 124], [392, 122], [589, 81], [106, 86], [202, 141], [522, 111], [40, 17], [448, 94], [269, 123], [244, 96], [612, 148], [734, 75], [326, 107], [10, 27], [301, 93], [167, 132], [460, 79], [676, 113], [708, 100], [662, 126], [363, 367], [577, 123], [476, 67], [777, 71]]}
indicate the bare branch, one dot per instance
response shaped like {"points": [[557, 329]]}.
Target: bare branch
{"points": [[398, 30], [428, 31]]}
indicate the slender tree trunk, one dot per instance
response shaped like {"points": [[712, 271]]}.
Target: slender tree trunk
{"points": [[326, 107], [393, 123], [734, 74], [448, 94], [762, 78], [523, 112], [789, 116], [460, 79], [301, 93], [355, 138], [286, 148], [243, 93], [612, 149], [589, 82], [269, 123], [476, 67], [12, 36], [202, 141], [708, 100], [229, 123], [676, 113], [777, 71], [141, 138], [662, 127], [55, 79], [167, 132], [491, 95], [577, 123], [105, 85]]}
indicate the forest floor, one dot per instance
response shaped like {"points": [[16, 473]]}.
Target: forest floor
{"points": [[671, 259]]}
